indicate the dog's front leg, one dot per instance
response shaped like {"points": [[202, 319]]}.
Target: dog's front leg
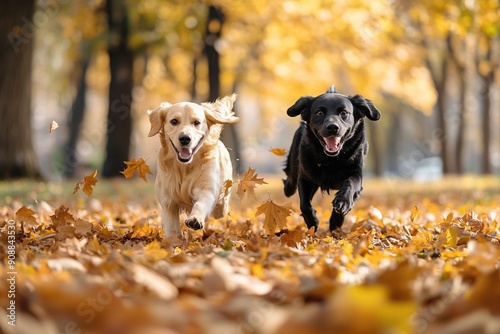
{"points": [[344, 200], [204, 201], [306, 193], [170, 218]]}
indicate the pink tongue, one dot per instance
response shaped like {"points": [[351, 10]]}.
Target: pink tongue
{"points": [[332, 143], [185, 153]]}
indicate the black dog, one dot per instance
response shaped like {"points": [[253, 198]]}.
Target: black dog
{"points": [[328, 151]]}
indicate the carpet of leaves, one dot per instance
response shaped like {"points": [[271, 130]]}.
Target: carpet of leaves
{"points": [[411, 258]]}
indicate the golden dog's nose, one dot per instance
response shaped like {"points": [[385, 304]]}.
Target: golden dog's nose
{"points": [[184, 140]]}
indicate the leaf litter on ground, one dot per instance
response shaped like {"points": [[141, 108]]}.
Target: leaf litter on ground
{"points": [[410, 258]]}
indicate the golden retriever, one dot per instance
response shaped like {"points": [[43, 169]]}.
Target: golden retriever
{"points": [[193, 164]]}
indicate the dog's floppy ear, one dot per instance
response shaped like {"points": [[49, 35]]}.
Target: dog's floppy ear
{"points": [[221, 111], [366, 107], [302, 106], [157, 117]]}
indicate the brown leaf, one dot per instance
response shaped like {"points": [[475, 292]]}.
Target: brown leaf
{"points": [[248, 183], [280, 152], [87, 183], [139, 166], [275, 215], [25, 215], [83, 227], [53, 126], [62, 217]]}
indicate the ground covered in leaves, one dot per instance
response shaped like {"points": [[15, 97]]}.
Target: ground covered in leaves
{"points": [[411, 258]]}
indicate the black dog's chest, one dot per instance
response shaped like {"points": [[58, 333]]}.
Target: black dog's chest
{"points": [[326, 175]]}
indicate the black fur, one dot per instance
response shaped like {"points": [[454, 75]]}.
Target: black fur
{"points": [[316, 161]]}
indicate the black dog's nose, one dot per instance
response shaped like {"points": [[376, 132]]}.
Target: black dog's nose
{"points": [[333, 128], [184, 140]]}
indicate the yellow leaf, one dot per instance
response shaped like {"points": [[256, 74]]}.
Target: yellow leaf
{"points": [[280, 152], [139, 166], [275, 215], [414, 213], [53, 126], [87, 183], [257, 270], [451, 237], [248, 183]]}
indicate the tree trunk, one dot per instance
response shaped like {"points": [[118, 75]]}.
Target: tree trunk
{"points": [[76, 115], [461, 71], [17, 156], [441, 111], [214, 26], [487, 82], [119, 127]]}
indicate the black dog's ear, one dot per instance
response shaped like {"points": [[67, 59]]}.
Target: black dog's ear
{"points": [[366, 107], [300, 107]]}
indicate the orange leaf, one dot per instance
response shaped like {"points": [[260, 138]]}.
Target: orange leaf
{"points": [[227, 186], [61, 216], [280, 152], [53, 126], [139, 166], [248, 184], [87, 183], [275, 215], [25, 215]]}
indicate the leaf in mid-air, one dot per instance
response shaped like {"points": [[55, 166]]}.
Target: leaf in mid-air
{"points": [[87, 183], [53, 126], [280, 152], [139, 166], [248, 183], [275, 215]]}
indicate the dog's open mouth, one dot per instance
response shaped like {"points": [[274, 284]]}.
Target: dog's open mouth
{"points": [[331, 145], [185, 154]]}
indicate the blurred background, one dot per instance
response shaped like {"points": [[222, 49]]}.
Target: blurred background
{"points": [[95, 67]]}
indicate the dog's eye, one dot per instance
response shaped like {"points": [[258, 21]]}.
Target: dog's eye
{"points": [[174, 122], [319, 113], [196, 123], [344, 114]]}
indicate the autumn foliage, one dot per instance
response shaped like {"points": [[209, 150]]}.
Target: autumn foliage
{"points": [[409, 259]]}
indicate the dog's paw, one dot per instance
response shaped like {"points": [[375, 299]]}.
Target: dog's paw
{"points": [[336, 221], [341, 206], [194, 223]]}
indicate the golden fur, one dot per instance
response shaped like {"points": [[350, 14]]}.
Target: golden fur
{"points": [[193, 163]]}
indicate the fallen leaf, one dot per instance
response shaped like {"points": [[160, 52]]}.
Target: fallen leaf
{"points": [[83, 227], [87, 183], [53, 126], [26, 215], [275, 215], [248, 183], [139, 166], [154, 282]]}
